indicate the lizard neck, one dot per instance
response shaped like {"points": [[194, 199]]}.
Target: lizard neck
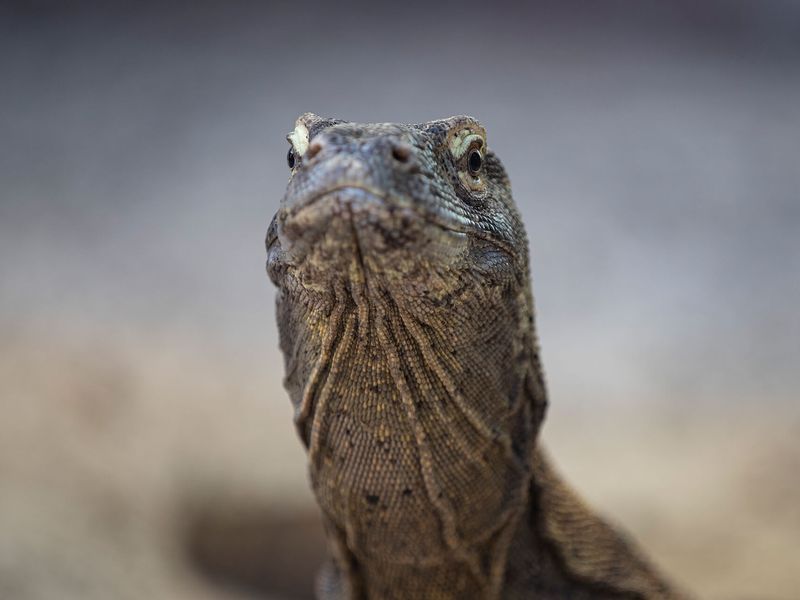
{"points": [[419, 443], [536, 565]]}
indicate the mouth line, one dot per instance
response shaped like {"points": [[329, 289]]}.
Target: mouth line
{"points": [[427, 217], [448, 222]]}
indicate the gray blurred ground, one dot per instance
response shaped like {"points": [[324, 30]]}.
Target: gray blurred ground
{"points": [[654, 150]]}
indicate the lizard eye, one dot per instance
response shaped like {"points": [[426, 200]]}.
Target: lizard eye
{"points": [[475, 161], [291, 158]]}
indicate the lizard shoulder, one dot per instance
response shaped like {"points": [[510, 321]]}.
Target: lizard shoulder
{"points": [[590, 550]]}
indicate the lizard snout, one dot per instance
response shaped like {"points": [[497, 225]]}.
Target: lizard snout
{"points": [[384, 153]]}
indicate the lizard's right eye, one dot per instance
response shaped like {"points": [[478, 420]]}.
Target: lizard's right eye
{"points": [[291, 158]]}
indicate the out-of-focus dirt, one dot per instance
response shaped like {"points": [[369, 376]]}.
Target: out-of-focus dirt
{"points": [[141, 466]]}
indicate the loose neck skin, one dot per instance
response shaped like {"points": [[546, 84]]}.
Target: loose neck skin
{"points": [[419, 445]]}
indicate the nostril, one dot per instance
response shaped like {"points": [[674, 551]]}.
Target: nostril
{"points": [[401, 153], [313, 149]]}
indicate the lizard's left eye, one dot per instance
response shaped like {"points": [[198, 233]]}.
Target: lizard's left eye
{"points": [[475, 161], [291, 158]]}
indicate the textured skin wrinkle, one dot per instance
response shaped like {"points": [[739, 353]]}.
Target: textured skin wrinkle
{"points": [[406, 322], [454, 395], [432, 487], [319, 376], [456, 399], [321, 411]]}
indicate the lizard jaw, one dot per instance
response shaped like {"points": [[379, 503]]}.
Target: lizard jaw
{"points": [[389, 236]]}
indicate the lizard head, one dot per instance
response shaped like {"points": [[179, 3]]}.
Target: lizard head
{"points": [[411, 209]]}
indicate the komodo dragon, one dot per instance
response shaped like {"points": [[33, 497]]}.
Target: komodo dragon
{"points": [[406, 322]]}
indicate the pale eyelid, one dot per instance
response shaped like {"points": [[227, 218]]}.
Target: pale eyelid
{"points": [[463, 140], [299, 139]]}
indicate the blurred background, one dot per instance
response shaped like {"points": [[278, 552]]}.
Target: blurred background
{"points": [[146, 443]]}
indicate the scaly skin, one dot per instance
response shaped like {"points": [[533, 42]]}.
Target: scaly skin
{"points": [[406, 321]]}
